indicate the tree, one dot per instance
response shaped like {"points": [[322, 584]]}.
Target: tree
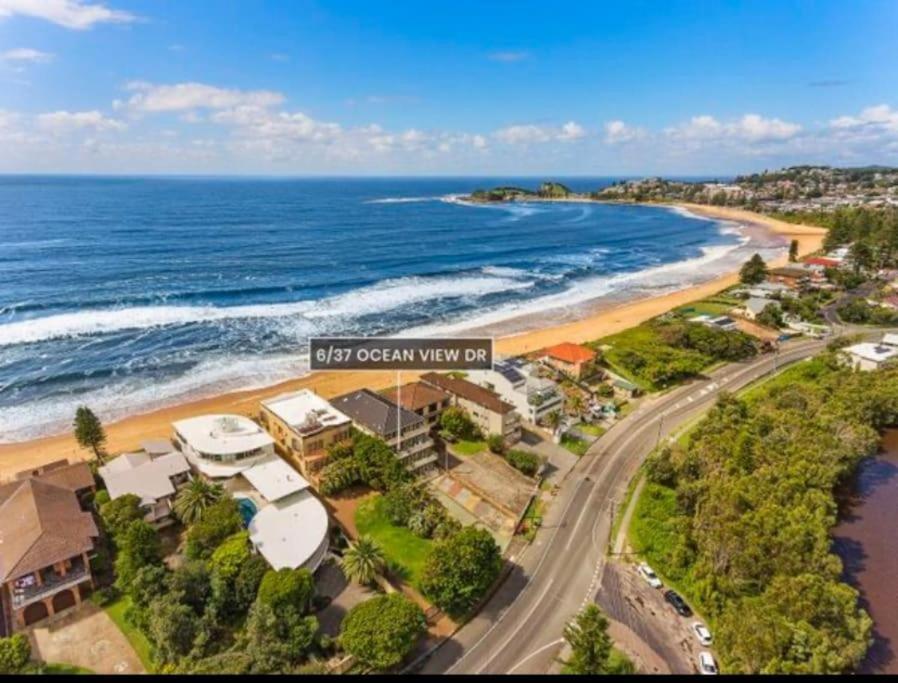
{"points": [[590, 643], [753, 271], [246, 585], [771, 316], [276, 642], [287, 588], [15, 652], [553, 420], [192, 584], [460, 569], [496, 443], [89, 432], [575, 404], [171, 629], [118, 514], [459, 424], [382, 631], [363, 561], [138, 546], [793, 250], [148, 583], [220, 520], [195, 498]]}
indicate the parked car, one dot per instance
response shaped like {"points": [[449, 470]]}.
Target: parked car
{"points": [[702, 633], [649, 575], [676, 600], [706, 664]]}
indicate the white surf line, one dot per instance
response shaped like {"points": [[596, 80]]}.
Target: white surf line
{"points": [[527, 587], [523, 622], [533, 654]]}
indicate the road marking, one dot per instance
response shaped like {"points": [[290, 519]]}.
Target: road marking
{"points": [[523, 622], [534, 653]]}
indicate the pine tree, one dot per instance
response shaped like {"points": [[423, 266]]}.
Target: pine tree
{"points": [[89, 432]]}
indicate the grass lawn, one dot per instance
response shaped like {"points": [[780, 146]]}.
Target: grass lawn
{"points": [[591, 429], [404, 551], [574, 445], [463, 447], [116, 611], [50, 669], [709, 307]]}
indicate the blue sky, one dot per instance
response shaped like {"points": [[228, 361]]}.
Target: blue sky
{"points": [[306, 87]]}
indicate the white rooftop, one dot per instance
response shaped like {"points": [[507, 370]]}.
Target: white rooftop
{"points": [[290, 531], [222, 434], [874, 352], [274, 478], [305, 410], [890, 339], [146, 477]]}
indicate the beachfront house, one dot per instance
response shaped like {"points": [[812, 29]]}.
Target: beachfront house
{"points": [[518, 383], [222, 446], [485, 407], [405, 432], [154, 479], [421, 398], [793, 276], [304, 425], [752, 308], [870, 356], [287, 525], [47, 536], [572, 359]]}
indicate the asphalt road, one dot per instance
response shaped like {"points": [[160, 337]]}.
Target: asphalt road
{"points": [[520, 628]]}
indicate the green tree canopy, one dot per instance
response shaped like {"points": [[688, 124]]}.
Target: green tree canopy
{"points": [[381, 632], [460, 569], [15, 652], [194, 499], [753, 271], [220, 520], [363, 561], [287, 589], [118, 514]]}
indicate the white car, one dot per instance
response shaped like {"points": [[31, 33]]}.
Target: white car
{"points": [[702, 633], [649, 575], [706, 664]]}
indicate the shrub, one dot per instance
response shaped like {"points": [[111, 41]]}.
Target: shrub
{"points": [[496, 443], [457, 422], [523, 461], [381, 632], [15, 652]]}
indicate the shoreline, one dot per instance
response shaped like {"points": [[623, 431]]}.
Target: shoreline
{"points": [[125, 434]]}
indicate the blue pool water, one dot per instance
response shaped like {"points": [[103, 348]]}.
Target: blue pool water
{"points": [[248, 510]]}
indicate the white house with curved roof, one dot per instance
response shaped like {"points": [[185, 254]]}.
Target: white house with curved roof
{"points": [[221, 446]]}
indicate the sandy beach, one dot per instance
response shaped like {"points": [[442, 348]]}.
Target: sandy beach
{"points": [[127, 433]]}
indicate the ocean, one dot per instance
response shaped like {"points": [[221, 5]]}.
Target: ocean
{"points": [[129, 294]]}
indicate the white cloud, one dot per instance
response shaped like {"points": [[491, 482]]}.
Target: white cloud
{"points": [[149, 97], [25, 55], [748, 128], [73, 14], [527, 134], [877, 119], [619, 132], [509, 56], [258, 122], [66, 121]]}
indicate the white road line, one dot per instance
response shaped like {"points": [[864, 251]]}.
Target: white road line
{"points": [[522, 623], [534, 653]]}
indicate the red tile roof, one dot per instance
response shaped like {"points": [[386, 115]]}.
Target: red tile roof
{"points": [[416, 395], [570, 353]]}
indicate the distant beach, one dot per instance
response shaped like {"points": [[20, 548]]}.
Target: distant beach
{"points": [[589, 319]]}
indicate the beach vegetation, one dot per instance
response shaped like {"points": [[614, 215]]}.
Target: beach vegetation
{"points": [[363, 561], [460, 569], [753, 271], [738, 517], [382, 631], [89, 432], [195, 498]]}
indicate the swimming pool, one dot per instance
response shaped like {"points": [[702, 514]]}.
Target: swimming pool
{"points": [[248, 509]]}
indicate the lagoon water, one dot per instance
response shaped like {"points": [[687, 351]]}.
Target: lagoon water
{"points": [[132, 293]]}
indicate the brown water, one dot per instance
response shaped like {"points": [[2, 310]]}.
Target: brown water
{"points": [[866, 539]]}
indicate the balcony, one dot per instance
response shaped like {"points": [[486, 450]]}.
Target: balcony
{"points": [[52, 584]]}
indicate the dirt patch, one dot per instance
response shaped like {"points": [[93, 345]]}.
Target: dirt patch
{"points": [[88, 638]]}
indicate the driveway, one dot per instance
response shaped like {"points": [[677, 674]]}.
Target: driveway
{"points": [[88, 638], [559, 460]]}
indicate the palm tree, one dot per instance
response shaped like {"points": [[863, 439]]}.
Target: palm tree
{"points": [[192, 501], [554, 419], [363, 561], [575, 404]]}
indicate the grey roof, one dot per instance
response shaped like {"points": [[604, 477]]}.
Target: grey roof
{"points": [[375, 412]]}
